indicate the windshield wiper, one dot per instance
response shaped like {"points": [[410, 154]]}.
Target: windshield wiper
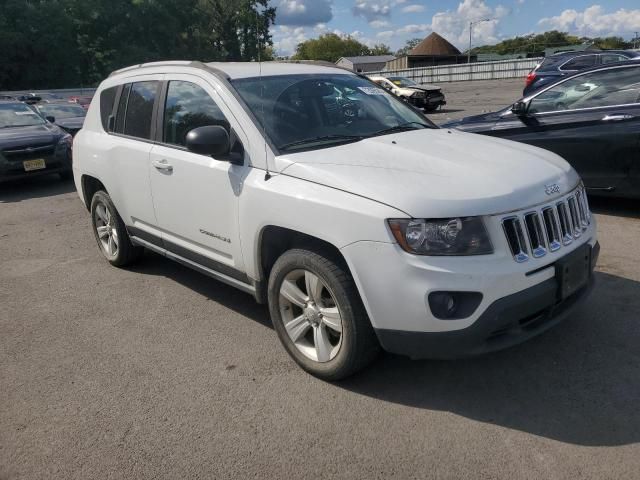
{"points": [[401, 128], [336, 138]]}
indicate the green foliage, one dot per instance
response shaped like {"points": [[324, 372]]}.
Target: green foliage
{"points": [[68, 43], [410, 45], [538, 43], [330, 47]]}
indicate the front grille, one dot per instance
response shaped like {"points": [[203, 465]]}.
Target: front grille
{"points": [[535, 232]]}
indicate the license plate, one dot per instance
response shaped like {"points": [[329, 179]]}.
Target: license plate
{"points": [[573, 271], [37, 164]]}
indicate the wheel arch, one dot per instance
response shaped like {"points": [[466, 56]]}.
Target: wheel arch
{"points": [[90, 185]]}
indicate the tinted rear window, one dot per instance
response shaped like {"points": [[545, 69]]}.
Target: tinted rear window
{"points": [[142, 97], [580, 63], [107, 97], [122, 107]]}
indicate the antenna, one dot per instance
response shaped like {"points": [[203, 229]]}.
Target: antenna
{"points": [[267, 174]]}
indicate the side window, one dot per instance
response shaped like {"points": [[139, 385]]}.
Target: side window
{"points": [[107, 97], [187, 107], [137, 119], [597, 89], [122, 108], [612, 58], [579, 63]]}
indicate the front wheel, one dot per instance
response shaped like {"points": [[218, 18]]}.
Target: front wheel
{"points": [[319, 316]]}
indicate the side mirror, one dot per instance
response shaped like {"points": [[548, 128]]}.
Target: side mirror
{"points": [[521, 109], [212, 140], [51, 119]]}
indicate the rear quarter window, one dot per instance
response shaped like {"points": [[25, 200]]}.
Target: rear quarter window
{"points": [[107, 98]]}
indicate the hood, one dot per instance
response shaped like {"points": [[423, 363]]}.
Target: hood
{"points": [[482, 118], [73, 123], [32, 135], [436, 173], [428, 88]]}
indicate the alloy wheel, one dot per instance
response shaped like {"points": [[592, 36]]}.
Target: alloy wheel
{"points": [[310, 315], [105, 225]]}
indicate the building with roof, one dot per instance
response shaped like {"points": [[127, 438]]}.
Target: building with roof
{"points": [[368, 63], [433, 50]]}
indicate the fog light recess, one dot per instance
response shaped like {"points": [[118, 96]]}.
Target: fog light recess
{"points": [[454, 305]]}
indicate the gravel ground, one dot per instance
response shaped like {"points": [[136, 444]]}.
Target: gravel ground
{"points": [[159, 372]]}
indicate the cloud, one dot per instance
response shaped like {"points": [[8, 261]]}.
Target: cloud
{"points": [[413, 9], [372, 11], [303, 12], [594, 20], [379, 24]]}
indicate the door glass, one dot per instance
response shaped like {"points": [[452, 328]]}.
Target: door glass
{"points": [[140, 109], [107, 97], [597, 89], [187, 107], [610, 58], [580, 63], [122, 108]]}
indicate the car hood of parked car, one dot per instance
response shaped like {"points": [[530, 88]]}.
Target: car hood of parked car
{"points": [[25, 136], [436, 173], [72, 123], [474, 119]]}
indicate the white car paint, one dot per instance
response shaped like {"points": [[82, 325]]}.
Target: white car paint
{"points": [[342, 195]]}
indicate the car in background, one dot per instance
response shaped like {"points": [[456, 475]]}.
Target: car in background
{"points": [[567, 63], [7, 97], [84, 100], [30, 145], [425, 97], [68, 116], [591, 119]]}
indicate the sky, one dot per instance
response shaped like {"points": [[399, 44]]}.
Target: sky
{"points": [[393, 22]]}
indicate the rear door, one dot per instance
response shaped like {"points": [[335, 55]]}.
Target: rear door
{"points": [[591, 120], [130, 147]]}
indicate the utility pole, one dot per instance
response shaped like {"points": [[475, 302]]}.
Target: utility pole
{"points": [[471, 24], [636, 44]]}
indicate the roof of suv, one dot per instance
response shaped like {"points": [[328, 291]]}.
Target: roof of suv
{"points": [[235, 70]]}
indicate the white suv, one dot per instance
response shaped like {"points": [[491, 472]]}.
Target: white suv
{"points": [[358, 221]]}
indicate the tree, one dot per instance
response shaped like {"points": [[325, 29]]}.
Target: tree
{"points": [[410, 45], [330, 47], [68, 43], [380, 49]]}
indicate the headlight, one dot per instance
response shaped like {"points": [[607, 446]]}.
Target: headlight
{"points": [[66, 140], [419, 95], [449, 236]]}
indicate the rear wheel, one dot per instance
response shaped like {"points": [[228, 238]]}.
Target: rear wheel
{"points": [[319, 316], [111, 233]]}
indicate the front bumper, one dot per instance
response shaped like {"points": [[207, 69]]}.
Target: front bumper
{"points": [[12, 168], [507, 322], [429, 102]]}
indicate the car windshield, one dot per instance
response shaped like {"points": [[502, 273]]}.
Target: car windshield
{"points": [[62, 111], [402, 82], [317, 111], [18, 115]]}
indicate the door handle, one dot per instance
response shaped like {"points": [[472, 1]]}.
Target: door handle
{"points": [[162, 165], [617, 118]]}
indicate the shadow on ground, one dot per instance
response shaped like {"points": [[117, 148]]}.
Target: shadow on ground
{"points": [[230, 297], [38, 187]]}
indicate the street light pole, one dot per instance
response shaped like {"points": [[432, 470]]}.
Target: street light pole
{"points": [[471, 24]]}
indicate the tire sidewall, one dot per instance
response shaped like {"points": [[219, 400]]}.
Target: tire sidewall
{"points": [[297, 260], [102, 197]]}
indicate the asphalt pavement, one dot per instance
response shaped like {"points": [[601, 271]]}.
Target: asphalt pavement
{"points": [[159, 372]]}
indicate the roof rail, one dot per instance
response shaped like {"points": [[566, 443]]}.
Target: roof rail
{"points": [[166, 63]]}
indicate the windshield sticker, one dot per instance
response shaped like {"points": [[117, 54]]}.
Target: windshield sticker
{"points": [[371, 90], [25, 113]]}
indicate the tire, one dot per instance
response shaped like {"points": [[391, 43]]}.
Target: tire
{"points": [[111, 233], [327, 333]]}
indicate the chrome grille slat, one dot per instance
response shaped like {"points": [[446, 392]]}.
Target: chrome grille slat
{"points": [[547, 228]]}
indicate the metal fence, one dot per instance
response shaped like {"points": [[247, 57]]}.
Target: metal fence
{"points": [[466, 72]]}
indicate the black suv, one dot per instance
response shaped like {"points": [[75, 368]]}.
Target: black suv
{"points": [[30, 145], [561, 64]]}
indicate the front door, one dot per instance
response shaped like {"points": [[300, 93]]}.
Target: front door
{"points": [[196, 196], [592, 121]]}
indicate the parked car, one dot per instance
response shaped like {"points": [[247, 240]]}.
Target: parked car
{"points": [[84, 101], [67, 116], [567, 63], [7, 97], [43, 97], [29, 145], [426, 97], [591, 118], [361, 224]]}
